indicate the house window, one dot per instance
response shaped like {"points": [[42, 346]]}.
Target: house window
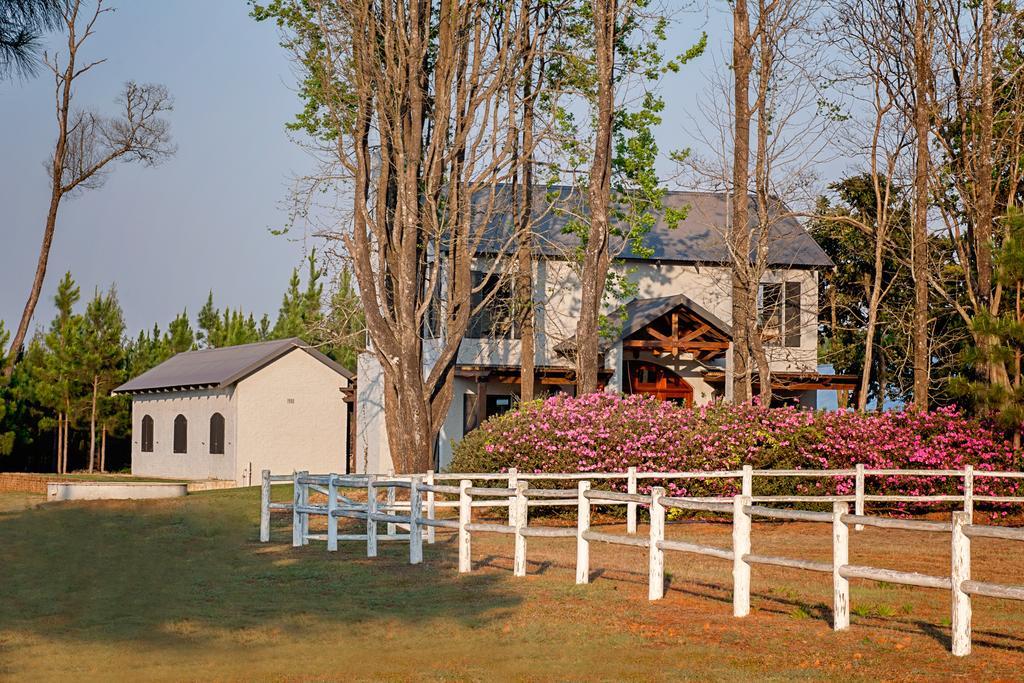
{"points": [[147, 434], [217, 434], [494, 404], [779, 313], [180, 434], [496, 319], [793, 314]]}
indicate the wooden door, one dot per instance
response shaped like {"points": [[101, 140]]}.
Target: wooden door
{"points": [[659, 381]]}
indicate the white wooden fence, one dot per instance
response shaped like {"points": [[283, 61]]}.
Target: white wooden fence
{"points": [[414, 519]]}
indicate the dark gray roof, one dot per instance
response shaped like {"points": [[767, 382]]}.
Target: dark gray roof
{"points": [[219, 368], [700, 238]]}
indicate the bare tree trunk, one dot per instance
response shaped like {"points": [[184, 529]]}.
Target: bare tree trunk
{"points": [[763, 196], [60, 441], [597, 258], [524, 297], [103, 449], [525, 309], [995, 369], [92, 424], [869, 337], [739, 232], [919, 257], [67, 419]]}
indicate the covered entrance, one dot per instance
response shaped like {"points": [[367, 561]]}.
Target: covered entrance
{"points": [[658, 381]]}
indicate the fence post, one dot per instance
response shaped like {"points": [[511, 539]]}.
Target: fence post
{"points": [[305, 515], [582, 526], [465, 516], [631, 507], [969, 493], [840, 557], [521, 518], [748, 481], [332, 521], [265, 507], [656, 574], [371, 510], [740, 547], [415, 533], [389, 498], [961, 571], [430, 505], [296, 516], [858, 495], [513, 481]]}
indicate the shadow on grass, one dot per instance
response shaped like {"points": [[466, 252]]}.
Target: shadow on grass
{"points": [[163, 571], [770, 603]]}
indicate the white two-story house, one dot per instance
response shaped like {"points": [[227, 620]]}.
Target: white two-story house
{"points": [[671, 338]]}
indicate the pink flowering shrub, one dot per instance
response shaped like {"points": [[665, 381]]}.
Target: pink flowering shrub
{"points": [[609, 433]]}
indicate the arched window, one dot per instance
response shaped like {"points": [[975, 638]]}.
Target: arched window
{"points": [[180, 434], [217, 434], [147, 434]]}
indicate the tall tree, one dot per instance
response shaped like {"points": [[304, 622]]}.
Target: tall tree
{"points": [[919, 256], [406, 100], [301, 312], [6, 434], [100, 360], [343, 329], [613, 47], [739, 235], [89, 142], [58, 381], [596, 249]]}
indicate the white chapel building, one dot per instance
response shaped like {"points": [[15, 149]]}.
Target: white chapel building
{"points": [[228, 413]]}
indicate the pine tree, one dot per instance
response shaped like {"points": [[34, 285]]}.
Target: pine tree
{"points": [[57, 382], [6, 433], [301, 313], [345, 326], [209, 323], [179, 337], [100, 359], [1006, 332]]}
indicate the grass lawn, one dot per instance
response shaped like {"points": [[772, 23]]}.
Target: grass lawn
{"points": [[179, 589]]}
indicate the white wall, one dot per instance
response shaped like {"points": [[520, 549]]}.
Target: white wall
{"points": [[291, 416], [558, 291], [197, 407], [373, 454]]}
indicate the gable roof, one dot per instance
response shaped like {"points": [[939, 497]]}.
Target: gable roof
{"points": [[699, 238], [219, 368], [639, 313]]}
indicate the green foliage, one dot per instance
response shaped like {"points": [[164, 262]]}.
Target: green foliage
{"points": [[1004, 401], [636, 192], [300, 314], [6, 434]]}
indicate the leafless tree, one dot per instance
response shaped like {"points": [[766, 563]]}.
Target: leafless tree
{"points": [[772, 49], [876, 75], [418, 96], [89, 142], [979, 171]]}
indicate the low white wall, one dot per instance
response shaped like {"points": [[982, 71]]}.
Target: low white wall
{"points": [[113, 490]]}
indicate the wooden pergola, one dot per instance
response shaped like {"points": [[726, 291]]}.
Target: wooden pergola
{"points": [[679, 331]]}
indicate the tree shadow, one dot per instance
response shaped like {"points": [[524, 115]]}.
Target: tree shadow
{"points": [[163, 572]]}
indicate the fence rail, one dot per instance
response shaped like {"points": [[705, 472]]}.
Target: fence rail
{"points": [[418, 520]]}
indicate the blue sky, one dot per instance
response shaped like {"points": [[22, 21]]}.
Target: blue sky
{"points": [[202, 220]]}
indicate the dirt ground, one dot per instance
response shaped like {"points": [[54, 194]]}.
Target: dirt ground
{"points": [[181, 590]]}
